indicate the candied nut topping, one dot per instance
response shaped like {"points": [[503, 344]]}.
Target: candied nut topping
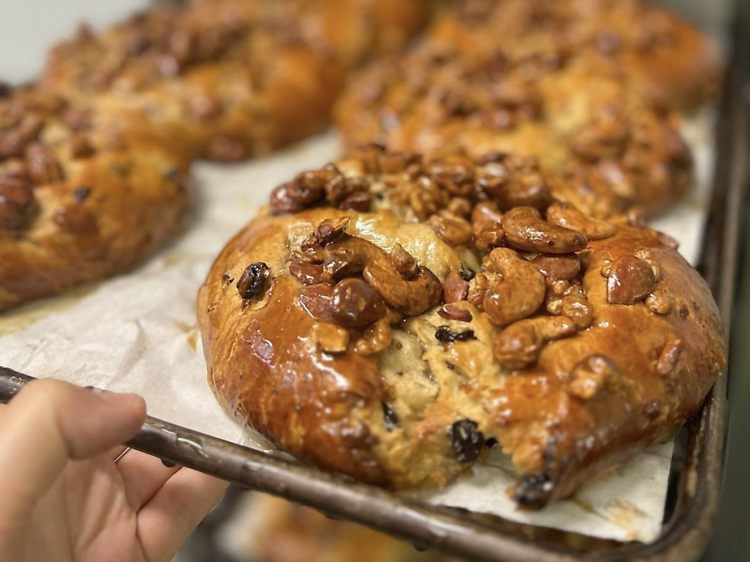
{"points": [[16, 197], [317, 301], [589, 376], [660, 302], [565, 267], [669, 357], [519, 345], [454, 232], [376, 338], [525, 229], [452, 312], [629, 280], [306, 273], [76, 220], [568, 216], [518, 293], [331, 230], [42, 165], [80, 147], [330, 338], [252, 282], [355, 304], [404, 262], [455, 288]]}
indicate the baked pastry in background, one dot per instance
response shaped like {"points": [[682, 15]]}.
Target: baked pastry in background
{"points": [[665, 59], [577, 115], [83, 193], [389, 316], [274, 530], [93, 159], [228, 79]]}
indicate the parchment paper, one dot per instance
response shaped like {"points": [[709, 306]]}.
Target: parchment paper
{"points": [[137, 333]]}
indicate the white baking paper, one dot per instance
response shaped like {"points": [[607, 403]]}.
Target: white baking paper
{"points": [[138, 333]]}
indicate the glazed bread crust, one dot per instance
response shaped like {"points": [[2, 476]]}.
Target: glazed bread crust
{"points": [[82, 195], [232, 78], [392, 341]]}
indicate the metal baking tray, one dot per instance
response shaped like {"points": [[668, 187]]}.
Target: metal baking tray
{"points": [[695, 479]]}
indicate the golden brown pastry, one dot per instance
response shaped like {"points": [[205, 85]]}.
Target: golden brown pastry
{"points": [[227, 79], [83, 194], [373, 324], [663, 57], [578, 116], [280, 531]]}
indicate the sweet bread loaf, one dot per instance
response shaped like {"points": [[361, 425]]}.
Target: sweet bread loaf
{"points": [[228, 79], [390, 316], [577, 116], [83, 194], [665, 59], [93, 159]]}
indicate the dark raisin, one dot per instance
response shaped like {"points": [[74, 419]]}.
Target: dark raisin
{"points": [[466, 441], [390, 418], [533, 490], [171, 174], [491, 442], [81, 194], [467, 274], [253, 280], [445, 335], [120, 170], [651, 410]]}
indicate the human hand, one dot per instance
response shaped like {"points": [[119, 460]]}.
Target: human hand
{"points": [[62, 497]]}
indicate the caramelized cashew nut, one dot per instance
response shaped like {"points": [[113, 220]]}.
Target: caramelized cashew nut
{"points": [[349, 255], [568, 216], [525, 229], [519, 294], [408, 297], [519, 345]]}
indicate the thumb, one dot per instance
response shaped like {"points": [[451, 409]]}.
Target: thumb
{"points": [[51, 422]]}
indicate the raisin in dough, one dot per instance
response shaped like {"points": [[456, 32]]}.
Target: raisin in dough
{"points": [[83, 194], [367, 322], [228, 79]]}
